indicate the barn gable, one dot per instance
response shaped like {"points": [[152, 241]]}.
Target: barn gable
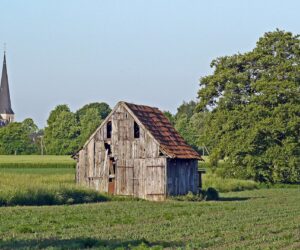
{"points": [[159, 128]]}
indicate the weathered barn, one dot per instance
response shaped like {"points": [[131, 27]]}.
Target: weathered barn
{"points": [[136, 151]]}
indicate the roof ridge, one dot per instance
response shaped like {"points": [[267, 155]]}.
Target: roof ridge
{"points": [[141, 105]]}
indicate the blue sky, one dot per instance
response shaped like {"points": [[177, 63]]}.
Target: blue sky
{"points": [[147, 52]]}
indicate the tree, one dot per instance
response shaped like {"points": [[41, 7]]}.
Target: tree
{"points": [[66, 131], [190, 124], [89, 121], [89, 118], [62, 131], [186, 108], [16, 138], [254, 104], [102, 109], [170, 117]]}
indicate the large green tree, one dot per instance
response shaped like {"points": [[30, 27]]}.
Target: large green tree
{"points": [[254, 104], [66, 131], [90, 117], [88, 124], [18, 138], [62, 131], [190, 124], [101, 108]]}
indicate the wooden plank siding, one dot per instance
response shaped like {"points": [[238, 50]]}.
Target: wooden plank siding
{"points": [[182, 176], [132, 156], [141, 170]]}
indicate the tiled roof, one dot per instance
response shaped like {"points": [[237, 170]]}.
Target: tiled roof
{"points": [[162, 130]]}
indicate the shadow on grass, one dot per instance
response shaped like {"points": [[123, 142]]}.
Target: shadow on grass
{"points": [[83, 243], [234, 198], [238, 198]]}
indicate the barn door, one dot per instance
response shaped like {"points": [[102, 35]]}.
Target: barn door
{"points": [[124, 180], [155, 182], [111, 176]]}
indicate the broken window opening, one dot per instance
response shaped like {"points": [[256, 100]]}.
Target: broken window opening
{"points": [[108, 129], [107, 147], [136, 130]]}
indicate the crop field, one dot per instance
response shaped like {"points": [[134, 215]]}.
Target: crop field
{"points": [[258, 219], [252, 219]]}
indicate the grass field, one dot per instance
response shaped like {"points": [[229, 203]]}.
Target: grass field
{"points": [[36, 161], [44, 186], [258, 219]]}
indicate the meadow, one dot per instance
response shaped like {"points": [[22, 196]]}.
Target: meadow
{"points": [[257, 219], [252, 219]]}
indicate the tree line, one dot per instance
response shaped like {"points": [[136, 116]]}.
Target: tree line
{"points": [[65, 133], [247, 114]]}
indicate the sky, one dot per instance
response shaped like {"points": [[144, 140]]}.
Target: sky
{"points": [[147, 52]]}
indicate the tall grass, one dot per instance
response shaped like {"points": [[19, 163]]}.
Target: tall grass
{"points": [[212, 178], [38, 186], [227, 184], [51, 196]]}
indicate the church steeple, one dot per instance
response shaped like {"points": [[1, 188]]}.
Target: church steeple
{"points": [[6, 111]]}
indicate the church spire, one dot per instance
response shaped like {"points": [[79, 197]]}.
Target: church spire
{"points": [[5, 104]]}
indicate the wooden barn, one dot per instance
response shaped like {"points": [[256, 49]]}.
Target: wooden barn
{"points": [[136, 151]]}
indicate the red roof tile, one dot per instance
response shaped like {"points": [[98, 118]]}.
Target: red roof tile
{"points": [[163, 131]]}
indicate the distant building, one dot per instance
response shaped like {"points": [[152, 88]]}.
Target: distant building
{"points": [[136, 151], [6, 113]]}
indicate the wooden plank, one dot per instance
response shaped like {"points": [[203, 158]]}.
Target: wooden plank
{"points": [[156, 194]]}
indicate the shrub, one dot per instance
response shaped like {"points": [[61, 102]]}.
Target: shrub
{"points": [[211, 194], [206, 195]]}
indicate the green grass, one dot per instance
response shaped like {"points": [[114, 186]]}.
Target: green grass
{"points": [[36, 161], [253, 219], [46, 186], [257, 219], [227, 184], [213, 179], [43, 186]]}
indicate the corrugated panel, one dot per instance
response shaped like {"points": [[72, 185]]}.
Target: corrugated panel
{"points": [[163, 131]]}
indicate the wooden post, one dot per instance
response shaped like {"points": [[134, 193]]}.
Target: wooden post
{"points": [[200, 172]]}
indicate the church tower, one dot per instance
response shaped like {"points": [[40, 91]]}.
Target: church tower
{"points": [[6, 113]]}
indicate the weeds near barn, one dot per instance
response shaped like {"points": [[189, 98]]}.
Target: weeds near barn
{"points": [[227, 184], [213, 179], [46, 186]]}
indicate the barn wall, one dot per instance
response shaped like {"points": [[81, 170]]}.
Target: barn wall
{"points": [[140, 171], [182, 176]]}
